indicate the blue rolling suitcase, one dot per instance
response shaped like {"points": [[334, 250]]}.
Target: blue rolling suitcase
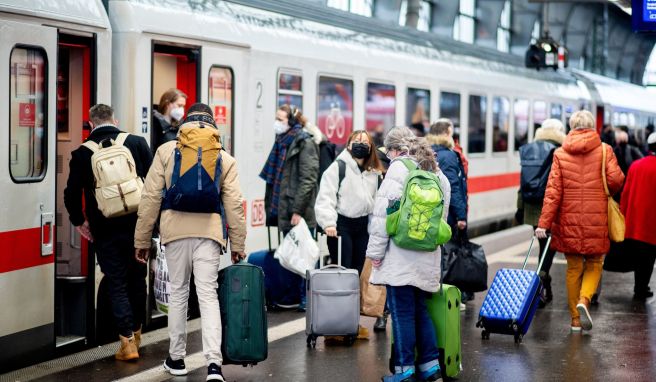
{"points": [[512, 300]]}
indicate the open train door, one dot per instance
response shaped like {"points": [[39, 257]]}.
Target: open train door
{"points": [[28, 61]]}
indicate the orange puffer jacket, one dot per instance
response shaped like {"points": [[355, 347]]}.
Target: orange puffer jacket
{"points": [[575, 204]]}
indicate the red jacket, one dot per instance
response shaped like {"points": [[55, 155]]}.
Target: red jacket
{"points": [[638, 201]]}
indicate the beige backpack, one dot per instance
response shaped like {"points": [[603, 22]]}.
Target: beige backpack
{"points": [[118, 187]]}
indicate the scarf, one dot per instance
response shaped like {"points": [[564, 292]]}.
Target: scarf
{"points": [[272, 171]]}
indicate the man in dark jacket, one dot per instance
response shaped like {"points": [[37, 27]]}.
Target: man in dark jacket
{"points": [[112, 238]]}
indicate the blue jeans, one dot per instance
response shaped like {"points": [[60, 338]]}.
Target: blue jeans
{"points": [[412, 327]]}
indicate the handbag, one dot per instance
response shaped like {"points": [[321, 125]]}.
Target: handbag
{"points": [[619, 258], [464, 265], [616, 227], [372, 297]]}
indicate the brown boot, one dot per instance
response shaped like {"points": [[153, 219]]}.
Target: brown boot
{"points": [[128, 350], [137, 337], [583, 308]]}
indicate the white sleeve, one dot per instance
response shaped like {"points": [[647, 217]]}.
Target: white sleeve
{"points": [[325, 207]]}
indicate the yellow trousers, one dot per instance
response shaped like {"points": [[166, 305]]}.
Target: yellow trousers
{"points": [[583, 275]]}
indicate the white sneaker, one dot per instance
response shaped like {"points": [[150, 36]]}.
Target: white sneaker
{"points": [[586, 320], [463, 306]]}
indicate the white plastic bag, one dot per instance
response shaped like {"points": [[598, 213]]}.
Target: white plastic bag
{"points": [[298, 252], [161, 285]]}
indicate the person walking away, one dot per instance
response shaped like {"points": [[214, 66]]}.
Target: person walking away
{"points": [[291, 174], [575, 209], [112, 237], [638, 206], [440, 137], [536, 159], [168, 116], [346, 198], [192, 227], [625, 153], [410, 275]]}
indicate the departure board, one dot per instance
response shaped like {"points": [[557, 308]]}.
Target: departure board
{"points": [[649, 11]]}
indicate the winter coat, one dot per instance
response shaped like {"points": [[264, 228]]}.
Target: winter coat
{"points": [[575, 205], [164, 131], [452, 168], [353, 199], [298, 187], [400, 266], [638, 202], [626, 154], [175, 225]]}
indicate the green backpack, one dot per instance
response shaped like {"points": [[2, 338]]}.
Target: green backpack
{"points": [[415, 222]]}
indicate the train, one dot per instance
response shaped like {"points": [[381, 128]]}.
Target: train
{"points": [[59, 58]]}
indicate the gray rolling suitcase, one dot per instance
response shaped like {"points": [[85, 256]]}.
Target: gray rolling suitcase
{"points": [[333, 302]]}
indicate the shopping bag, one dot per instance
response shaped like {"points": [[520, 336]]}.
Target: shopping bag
{"points": [[298, 251], [619, 258], [372, 297], [464, 265], [161, 285]]}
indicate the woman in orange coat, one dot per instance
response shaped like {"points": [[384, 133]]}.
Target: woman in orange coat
{"points": [[576, 211]]}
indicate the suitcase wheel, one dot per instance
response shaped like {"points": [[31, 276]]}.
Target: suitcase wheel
{"points": [[518, 338], [485, 335], [311, 341], [350, 340]]}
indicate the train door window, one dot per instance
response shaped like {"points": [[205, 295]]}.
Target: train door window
{"points": [[539, 114], [476, 130], [290, 89], [27, 114], [335, 109], [500, 124], [220, 100], [556, 111], [380, 108], [521, 113], [450, 108], [417, 108]]}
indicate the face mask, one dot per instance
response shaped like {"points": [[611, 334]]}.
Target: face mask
{"points": [[359, 150], [177, 113], [280, 128]]}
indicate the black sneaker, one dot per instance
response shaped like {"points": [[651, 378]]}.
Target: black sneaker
{"points": [[214, 373], [642, 296], [175, 367], [381, 324]]}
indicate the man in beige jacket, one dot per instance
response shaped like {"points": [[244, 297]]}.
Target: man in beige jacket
{"points": [[194, 240]]}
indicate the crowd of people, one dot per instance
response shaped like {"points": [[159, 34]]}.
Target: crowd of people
{"points": [[566, 183]]}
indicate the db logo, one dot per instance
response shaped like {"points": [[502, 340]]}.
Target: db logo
{"points": [[258, 215]]}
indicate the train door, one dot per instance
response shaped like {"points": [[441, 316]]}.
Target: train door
{"points": [[28, 57], [74, 279]]}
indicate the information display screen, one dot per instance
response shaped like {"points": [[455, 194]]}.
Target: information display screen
{"points": [[649, 10], [643, 15]]}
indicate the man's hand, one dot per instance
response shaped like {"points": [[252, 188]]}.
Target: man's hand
{"points": [[84, 231], [541, 233], [142, 255], [237, 256], [462, 224], [296, 218], [331, 231]]}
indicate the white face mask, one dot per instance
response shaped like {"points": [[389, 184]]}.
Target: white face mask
{"points": [[280, 128], [177, 113]]}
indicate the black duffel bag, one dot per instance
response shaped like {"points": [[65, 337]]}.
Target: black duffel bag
{"points": [[619, 258], [464, 264]]}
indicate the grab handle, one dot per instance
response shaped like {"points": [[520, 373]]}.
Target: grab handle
{"points": [[544, 253]]}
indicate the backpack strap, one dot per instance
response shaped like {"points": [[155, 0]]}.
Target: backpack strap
{"points": [[120, 139], [177, 159], [342, 173], [91, 145], [217, 181], [409, 164]]}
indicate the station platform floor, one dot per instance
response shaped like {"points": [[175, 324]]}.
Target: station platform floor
{"points": [[620, 347]]}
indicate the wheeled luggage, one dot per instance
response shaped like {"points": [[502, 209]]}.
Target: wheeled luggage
{"points": [[333, 302], [243, 314], [512, 300]]}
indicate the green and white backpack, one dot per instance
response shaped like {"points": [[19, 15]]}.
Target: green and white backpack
{"points": [[416, 221]]}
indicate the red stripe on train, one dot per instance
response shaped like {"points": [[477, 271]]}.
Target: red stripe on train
{"points": [[492, 182], [21, 249]]}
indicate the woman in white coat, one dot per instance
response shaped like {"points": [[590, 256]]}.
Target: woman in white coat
{"points": [[410, 275]]}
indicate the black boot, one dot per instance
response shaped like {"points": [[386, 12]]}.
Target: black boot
{"points": [[381, 322], [547, 295]]}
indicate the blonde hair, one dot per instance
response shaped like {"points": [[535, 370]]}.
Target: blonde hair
{"points": [[553, 123], [582, 119]]}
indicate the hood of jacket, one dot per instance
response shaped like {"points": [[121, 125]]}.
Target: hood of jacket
{"points": [[317, 135], [581, 141], [440, 140], [553, 135]]}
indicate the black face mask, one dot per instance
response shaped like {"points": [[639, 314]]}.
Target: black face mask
{"points": [[359, 150]]}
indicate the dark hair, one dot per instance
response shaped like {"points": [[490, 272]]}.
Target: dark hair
{"points": [[101, 113], [168, 97], [371, 162], [200, 112], [441, 126], [294, 115], [652, 148]]}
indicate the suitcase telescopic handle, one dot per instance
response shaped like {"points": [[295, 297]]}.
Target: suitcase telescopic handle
{"points": [[339, 254], [544, 253]]}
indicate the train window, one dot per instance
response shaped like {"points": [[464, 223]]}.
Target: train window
{"points": [[28, 114], [335, 109], [450, 108], [521, 122], [500, 124], [290, 89], [539, 113], [220, 99], [556, 111], [417, 109], [380, 108], [476, 130]]}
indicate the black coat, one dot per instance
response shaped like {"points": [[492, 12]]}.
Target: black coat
{"points": [[451, 166], [163, 130], [80, 179]]}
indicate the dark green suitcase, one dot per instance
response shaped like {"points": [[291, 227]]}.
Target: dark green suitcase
{"points": [[243, 314]]}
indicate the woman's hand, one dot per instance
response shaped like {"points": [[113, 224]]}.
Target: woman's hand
{"points": [[541, 233], [331, 231], [296, 218]]}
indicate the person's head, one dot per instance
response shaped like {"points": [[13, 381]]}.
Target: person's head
{"points": [[101, 114], [286, 117], [200, 112], [651, 142], [172, 104], [582, 119], [442, 126], [396, 141], [555, 124], [621, 138], [361, 146], [401, 141]]}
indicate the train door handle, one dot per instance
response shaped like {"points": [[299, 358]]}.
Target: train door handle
{"points": [[47, 234]]}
